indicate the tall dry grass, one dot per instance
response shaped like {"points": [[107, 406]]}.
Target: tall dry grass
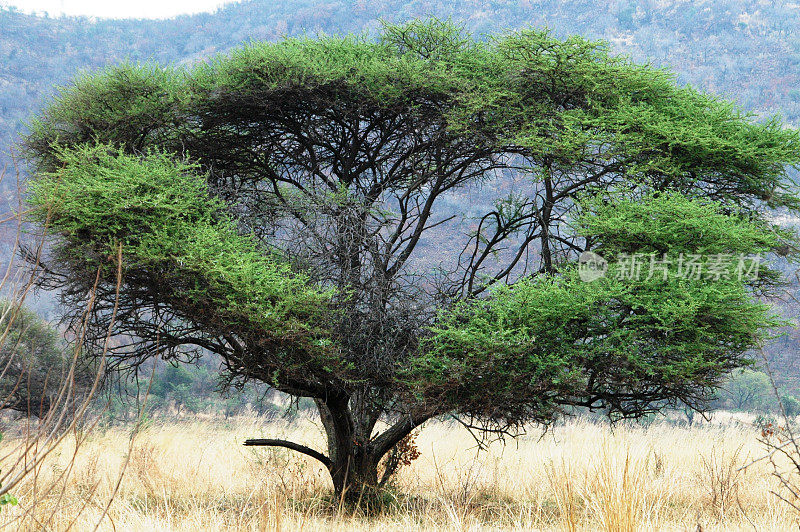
{"points": [[582, 476]]}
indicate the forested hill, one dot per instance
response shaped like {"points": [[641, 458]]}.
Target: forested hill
{"points": [[744, 49]]}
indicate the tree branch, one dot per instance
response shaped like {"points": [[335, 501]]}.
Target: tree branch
{"points": [[383, 443], [269, 442]]}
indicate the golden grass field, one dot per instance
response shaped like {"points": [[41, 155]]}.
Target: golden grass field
{"points": [[196, 476]]}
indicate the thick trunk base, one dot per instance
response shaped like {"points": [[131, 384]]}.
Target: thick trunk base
{"points": [[356, 480]]}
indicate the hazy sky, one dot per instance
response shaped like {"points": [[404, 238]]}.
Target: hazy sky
{"points": [[115, 8]]}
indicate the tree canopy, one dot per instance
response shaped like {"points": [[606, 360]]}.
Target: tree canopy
{"points": [[289, 207]]}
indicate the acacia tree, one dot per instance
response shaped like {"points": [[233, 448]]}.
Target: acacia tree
{"points": [[298, 208]]}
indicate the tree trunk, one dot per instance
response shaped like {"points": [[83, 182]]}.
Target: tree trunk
{"points": [[353, 459], [353, 453], [356, 477]]}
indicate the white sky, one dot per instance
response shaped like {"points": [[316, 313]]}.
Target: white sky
{"points": [[115, 8]]}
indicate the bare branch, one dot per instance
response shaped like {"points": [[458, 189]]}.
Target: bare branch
{"points": [[271, 442]]}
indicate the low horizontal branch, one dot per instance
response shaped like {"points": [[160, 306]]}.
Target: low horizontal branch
{"points": [[271, 442]]}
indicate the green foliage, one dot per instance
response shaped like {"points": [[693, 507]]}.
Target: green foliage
{"points": [[671, 227], [662, 222], [34, 362], [133, 105], [177, 385], [7, 498], [749, 389], [355, 64], [564, 99], [554, 340], [555, 100], [160, 212], [558, 341], [791, 405]]}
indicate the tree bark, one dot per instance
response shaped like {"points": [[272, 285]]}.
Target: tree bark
{"points": [[353, 454], [353, 463]]}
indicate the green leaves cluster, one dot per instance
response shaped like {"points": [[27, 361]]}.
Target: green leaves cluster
{"points": [[569, 102], [131, 105], [160, 212], [629, 345], [671, 222]]}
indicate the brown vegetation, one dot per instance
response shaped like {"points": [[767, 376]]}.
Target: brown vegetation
{"points": [[582, 476]]}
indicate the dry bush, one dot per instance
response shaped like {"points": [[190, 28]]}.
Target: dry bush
{"points": [[401, 455], [722, 477]]}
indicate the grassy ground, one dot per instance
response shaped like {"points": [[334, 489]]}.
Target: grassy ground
{"points": [[197, 476]]}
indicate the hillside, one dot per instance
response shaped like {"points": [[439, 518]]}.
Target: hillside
{"points": [[747, 50]]}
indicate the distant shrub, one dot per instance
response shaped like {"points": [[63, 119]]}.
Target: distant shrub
{"points": [[791, 405], [34, 362], [748, 389]]}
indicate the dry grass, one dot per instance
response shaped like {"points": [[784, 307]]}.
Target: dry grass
{"points": [[197, 476]]}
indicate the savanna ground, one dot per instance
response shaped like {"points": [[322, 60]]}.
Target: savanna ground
{"points": [[196, 475]]}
